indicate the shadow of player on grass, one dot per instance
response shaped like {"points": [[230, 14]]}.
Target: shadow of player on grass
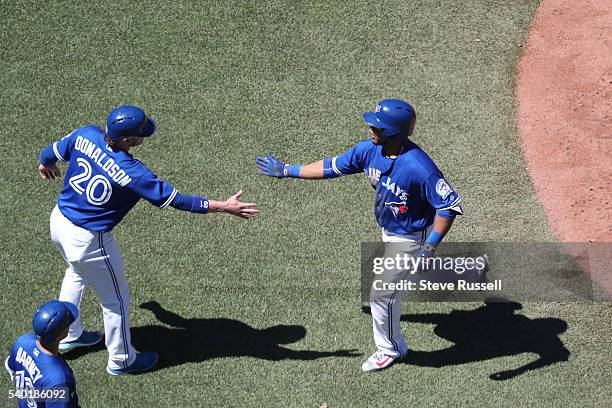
{"points": [[195, 340], [490, 331]]}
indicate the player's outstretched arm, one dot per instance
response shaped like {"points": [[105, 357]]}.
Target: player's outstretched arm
{"points": [[313, 171], [272, 167], [234, 206], [350, 162]]}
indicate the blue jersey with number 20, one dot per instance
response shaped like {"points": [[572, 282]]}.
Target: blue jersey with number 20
{"points": [[409, 189], [101, 184]]}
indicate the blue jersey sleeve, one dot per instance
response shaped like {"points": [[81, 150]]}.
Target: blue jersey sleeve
{"points": [[153, 189], [63, 147], [441, 195], [194, 204], [59, 150], [352, 161]]}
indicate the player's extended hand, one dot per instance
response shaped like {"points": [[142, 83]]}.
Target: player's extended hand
{"points": [[234, 206], [49, 172], [270, 166]]}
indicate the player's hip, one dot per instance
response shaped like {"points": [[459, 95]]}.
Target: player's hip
{"points": [[76, 243]]}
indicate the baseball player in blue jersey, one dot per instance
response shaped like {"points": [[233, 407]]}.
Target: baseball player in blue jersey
{"points": [[414, 204], [34, 364], [102, 183]]}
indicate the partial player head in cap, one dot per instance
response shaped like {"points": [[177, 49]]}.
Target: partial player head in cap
{"points": [[392, 120], [51, 321], [127, 126]]}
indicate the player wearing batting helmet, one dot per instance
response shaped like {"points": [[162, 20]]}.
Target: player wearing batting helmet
{"points": [[414, 204], [102, 184], [38, 372]]}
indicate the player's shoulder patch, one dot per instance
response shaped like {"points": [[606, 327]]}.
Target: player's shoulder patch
{"points": [[443, 189]]}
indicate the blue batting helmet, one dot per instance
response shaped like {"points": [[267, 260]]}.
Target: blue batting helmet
{"points": [[126, 121], [52, 318], [394, 116]]}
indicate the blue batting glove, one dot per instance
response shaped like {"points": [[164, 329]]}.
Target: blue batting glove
{"points": [[426, 251], [270, 166]]}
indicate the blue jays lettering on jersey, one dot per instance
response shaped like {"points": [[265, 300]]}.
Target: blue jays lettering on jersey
{"points": [[409, 189], [32, 368], [102, 184]]}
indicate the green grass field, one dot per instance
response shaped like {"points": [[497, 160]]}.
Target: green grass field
{"points": [[227, 81]]}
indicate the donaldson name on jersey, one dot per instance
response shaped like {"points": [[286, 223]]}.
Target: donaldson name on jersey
{"points": [[410, 189], [32, 369], [101, 184]]}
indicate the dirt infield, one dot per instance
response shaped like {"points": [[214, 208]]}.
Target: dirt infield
{"points": [[564, 99]]}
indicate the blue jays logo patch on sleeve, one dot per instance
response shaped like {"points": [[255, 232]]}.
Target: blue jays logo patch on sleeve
{"points": [[443, 188]]}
